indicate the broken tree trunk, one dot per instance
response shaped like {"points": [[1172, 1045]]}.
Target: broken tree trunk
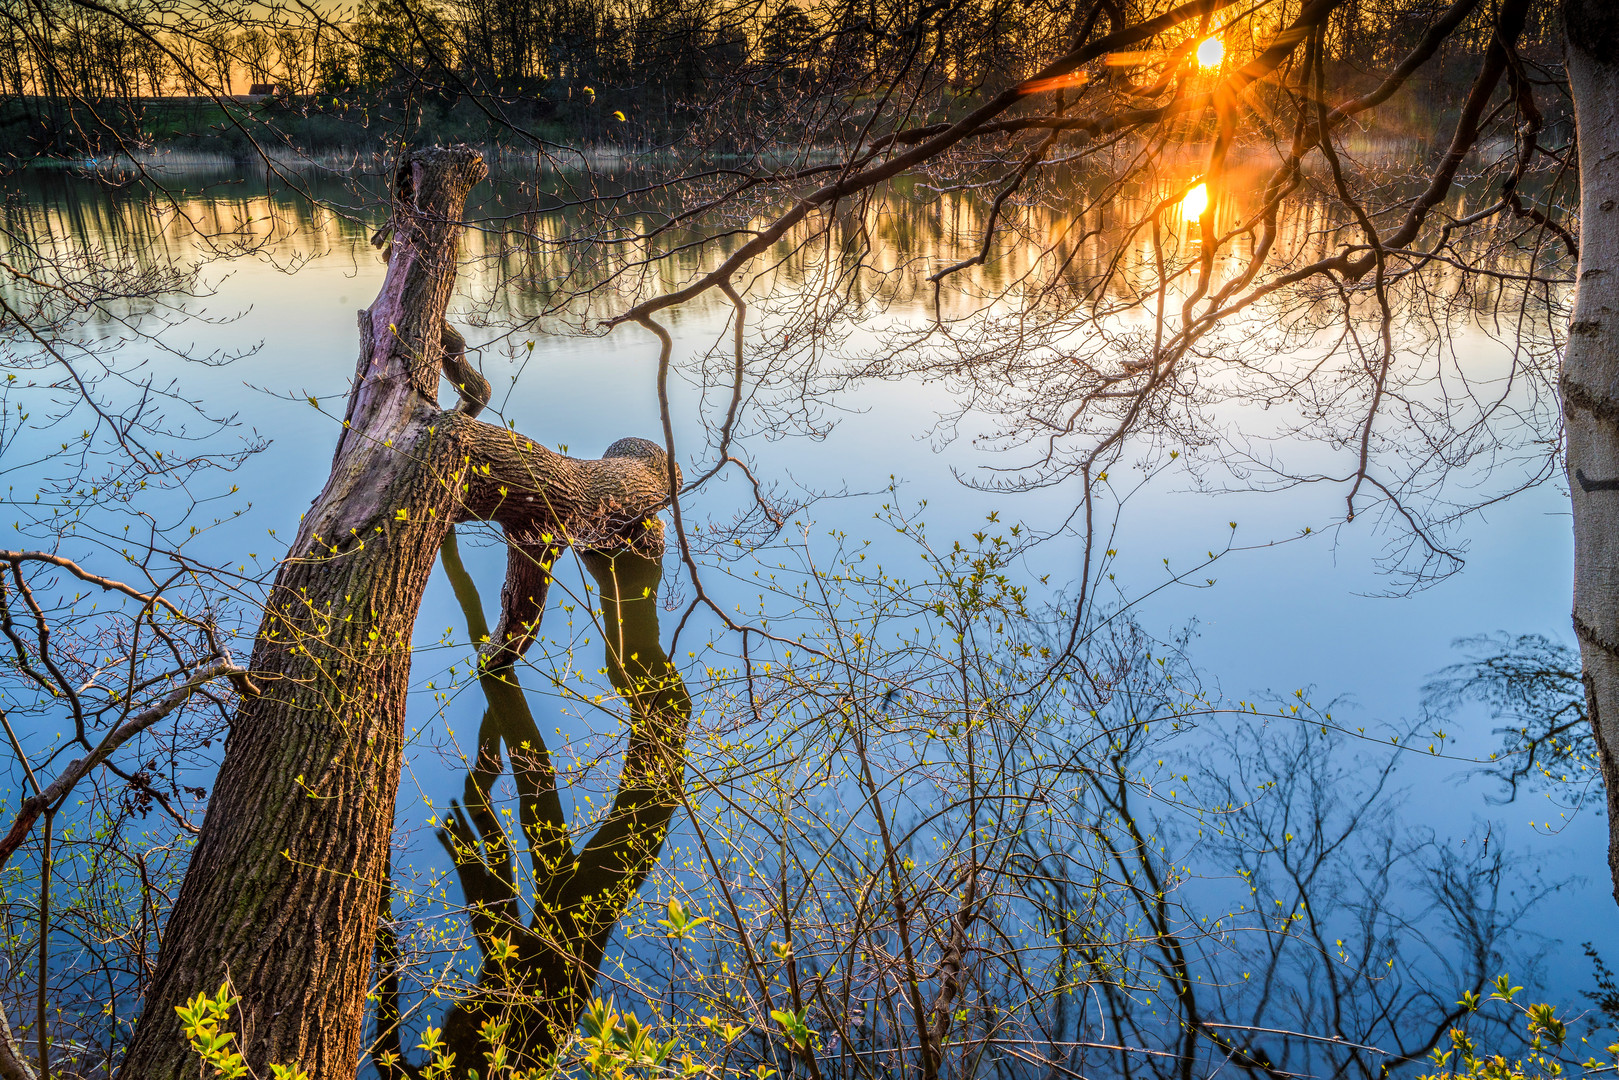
{"points": [[281, 897]]}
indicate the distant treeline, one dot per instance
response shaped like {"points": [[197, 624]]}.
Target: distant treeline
{"points": [[734, 75]]}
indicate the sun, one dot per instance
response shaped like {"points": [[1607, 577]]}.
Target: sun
{"points": [[1195, 202], [1211, 52]]}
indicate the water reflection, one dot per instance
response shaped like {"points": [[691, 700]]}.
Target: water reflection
{"points": [[531, 264], [562, 244], [542, 897]]}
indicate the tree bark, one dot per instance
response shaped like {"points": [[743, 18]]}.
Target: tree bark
{"points": [[281, 897], [1590, 381]]}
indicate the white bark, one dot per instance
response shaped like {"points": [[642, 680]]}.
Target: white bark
{"points": [[1590, 385]]}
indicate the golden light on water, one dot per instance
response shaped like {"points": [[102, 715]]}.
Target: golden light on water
{"points": [[1211, 52], [1195, 202]]}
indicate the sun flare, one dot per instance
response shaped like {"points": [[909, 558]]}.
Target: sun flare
{"points": [[1211, 52], [1195, 202]]}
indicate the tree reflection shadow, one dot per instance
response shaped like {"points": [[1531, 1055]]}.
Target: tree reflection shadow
{"points": [[539, 955]]}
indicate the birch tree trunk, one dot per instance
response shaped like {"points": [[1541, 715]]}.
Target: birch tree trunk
{"points": [[1590, 382], [281, 897]]}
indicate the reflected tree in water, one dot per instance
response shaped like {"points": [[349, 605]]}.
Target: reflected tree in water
{"points": [[541, 931]]}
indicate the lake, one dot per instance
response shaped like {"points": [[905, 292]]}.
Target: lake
{"points": [[284, 278]]}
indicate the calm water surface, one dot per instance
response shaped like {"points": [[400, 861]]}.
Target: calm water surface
{"points": [[1302, 614]]}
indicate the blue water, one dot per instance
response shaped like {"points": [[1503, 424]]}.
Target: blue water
{"points": [[1303, 614]]}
